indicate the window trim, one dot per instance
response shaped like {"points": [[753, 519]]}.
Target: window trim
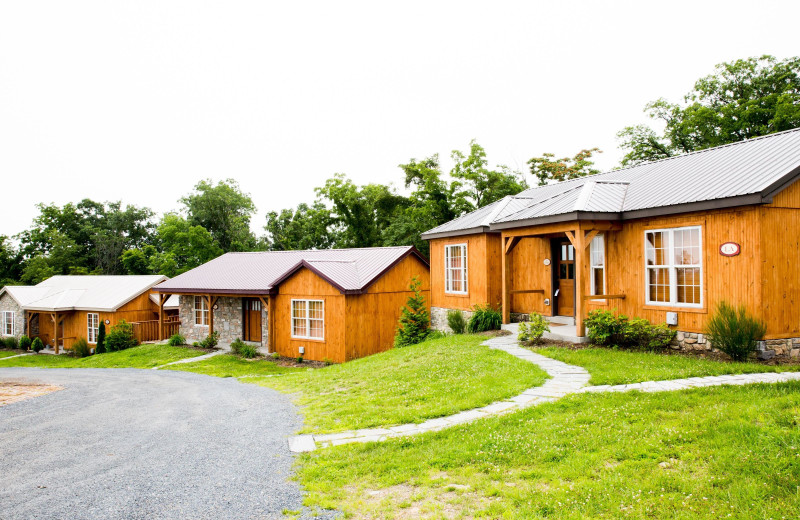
{"points": [[308, 319], [604, 267], [207, 311], [672, 269], [447, 270], [13, 323], [89, 328]]}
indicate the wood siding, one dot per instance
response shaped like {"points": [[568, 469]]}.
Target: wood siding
{"points": [[483, 272], [528, 272], [355, 325]]}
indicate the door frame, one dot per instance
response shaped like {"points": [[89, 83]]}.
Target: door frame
{"points": [[555, 255], [246, 319]]}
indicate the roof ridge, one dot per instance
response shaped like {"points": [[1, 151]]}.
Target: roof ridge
{"points": [[559, 194], [369, 248]]}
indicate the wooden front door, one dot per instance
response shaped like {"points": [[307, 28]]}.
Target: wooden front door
{"points": [[565, 271], [252, 320]]}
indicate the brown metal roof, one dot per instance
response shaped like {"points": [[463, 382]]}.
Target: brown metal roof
{"points": [[351, 271]]}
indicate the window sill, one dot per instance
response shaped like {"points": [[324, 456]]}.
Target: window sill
{"points": [[199, 325], [314, 340], [672, 308], [457, 294]]}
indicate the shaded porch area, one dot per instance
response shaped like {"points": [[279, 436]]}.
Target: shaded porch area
{"points": [[557, 270]]}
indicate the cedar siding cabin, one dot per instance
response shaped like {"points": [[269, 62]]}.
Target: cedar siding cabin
{"points": [[335, 305], [666, 241], [78, 304]]}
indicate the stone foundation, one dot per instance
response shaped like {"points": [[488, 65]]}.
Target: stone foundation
{"points": [[780, 349], [228, 321], [439, 318]]}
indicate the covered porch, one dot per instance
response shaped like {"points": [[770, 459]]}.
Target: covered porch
{"points": [[557, 270]]}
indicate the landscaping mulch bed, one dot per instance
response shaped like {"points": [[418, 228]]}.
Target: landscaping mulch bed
{"points": [[292, 362]]}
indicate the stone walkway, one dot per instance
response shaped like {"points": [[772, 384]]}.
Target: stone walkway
{"points": [[193, 359], [565, 379], [18, 355]]}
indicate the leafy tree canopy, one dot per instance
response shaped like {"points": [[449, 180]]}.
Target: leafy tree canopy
{"points": [[742, 99], [307, 227], [225, 211], [478, 184], [549, 169]]}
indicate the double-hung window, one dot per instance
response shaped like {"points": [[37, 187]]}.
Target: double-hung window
{"points": [[674, 266], [308, 319], [92, 326], [597, 255], [200, 311], [8, 323], [455, 269]]}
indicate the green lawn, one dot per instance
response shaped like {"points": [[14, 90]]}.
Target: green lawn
{"points": [[8, 353], [723, 452], [145, 356], [227, 365], [407, 385], [616, 367]]}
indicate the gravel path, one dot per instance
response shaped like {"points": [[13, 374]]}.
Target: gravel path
{"points": [[126, 443]]}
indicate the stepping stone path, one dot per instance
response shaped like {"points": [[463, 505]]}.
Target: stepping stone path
{"points": [[565, 379], [193, 359]]}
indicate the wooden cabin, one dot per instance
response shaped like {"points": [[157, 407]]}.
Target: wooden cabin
{"points": [[62, 309], [666, 241], [334, 305]]}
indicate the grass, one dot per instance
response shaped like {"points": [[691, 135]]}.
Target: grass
{"points": [[616, 367], [723, 452], [407, 385], [144, 356], [227, 365], [8, 353]]}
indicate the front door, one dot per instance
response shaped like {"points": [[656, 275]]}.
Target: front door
{"points": [[566, 279], [252, 320]]}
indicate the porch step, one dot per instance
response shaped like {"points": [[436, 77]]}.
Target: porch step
{"points": [[564, 320]]}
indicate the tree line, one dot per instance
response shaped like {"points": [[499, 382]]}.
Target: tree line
{"points": [[741, 99]]}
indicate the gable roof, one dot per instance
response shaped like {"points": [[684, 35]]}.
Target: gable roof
{"points": [[738, 174], [91, 293], [351, 271]]}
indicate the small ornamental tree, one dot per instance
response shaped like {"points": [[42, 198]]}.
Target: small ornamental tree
{"points": [[414, 324], [100, 348]]}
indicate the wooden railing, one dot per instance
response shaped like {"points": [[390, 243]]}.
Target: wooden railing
{"points": [[604, 297], [148, 330]]}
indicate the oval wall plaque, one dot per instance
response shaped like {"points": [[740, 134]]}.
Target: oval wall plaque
{"points": [[546, 261], [729, 249]]}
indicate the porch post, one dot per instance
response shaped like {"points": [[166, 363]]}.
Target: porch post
{"points": [[581, 239], [161, 300], [55, 332], [505, 268]]}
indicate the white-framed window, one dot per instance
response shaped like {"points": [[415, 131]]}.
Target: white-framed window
{"points": [[200, 311], [8, 323], [308, 319], [597, 258], [674, 264], [455, 268], [92, 326]]}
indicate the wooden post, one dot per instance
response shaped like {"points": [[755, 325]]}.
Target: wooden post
{"points": [[55, 332], [581, 241], [211, 302], [161, 300]]}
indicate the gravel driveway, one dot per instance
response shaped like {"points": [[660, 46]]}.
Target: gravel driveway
{"points": [[126, 443]]}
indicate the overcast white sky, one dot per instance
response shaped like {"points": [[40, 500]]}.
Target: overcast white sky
{"points": [[139, 100]]}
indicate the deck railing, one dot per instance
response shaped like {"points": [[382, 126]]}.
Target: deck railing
{"points": [[148, 330]]}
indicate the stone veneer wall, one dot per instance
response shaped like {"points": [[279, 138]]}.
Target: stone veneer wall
{"points": [[780, 349], [7, 303], [439, 318], [227, 321]]}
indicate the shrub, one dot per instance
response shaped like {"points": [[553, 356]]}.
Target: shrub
{"points": [[327, 362], [197, 344], [275, 355], [300, 358], [11, 342], [211, 340], [456, 321], [414, 323], [176, 340], [120, 337], [37, 345], [484, 318], [734, 331], [100, 348], [523, 333], [435, 334], [605, 328], [80, 348], [240, 348], [25, 342], [641, 333]]}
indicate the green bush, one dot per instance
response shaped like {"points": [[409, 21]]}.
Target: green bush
{"points": [[414, 324], [484, 318], [80, 348], [197, 344], [211, 340], [100, 347], [275, 355], [11, 342], [734, 331], [456, 321], [25, 342], [608, 329], [240, 348], [533, 330], [176, 340], [37, 345], [120, 337], [605, 328]]}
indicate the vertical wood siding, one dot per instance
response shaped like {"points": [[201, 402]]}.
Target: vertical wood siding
{"points": [[483, 272]]}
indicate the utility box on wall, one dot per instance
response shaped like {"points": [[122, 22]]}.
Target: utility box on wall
{"points": [[672, 318]]}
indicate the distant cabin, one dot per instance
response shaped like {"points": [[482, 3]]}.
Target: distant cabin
{"points": [[335, 305], [62, 309], [666, 241]]}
